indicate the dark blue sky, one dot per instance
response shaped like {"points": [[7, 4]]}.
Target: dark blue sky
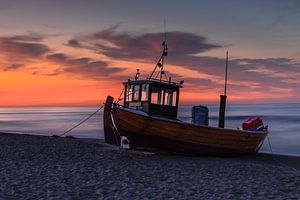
{"points": [[266, 28]]}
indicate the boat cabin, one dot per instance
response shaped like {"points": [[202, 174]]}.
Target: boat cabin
{"points": [[155, 97]]}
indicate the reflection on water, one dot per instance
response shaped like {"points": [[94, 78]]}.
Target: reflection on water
{"points": [[283, 121]]}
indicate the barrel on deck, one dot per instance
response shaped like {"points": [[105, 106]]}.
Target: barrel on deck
{"points": [[200, 115]]}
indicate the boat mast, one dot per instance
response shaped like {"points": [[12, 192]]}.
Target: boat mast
{"points": [[160, 62], [223, 98], [165, 52]]}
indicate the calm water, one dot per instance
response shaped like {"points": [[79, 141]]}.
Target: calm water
{"points": [[283, 121]]}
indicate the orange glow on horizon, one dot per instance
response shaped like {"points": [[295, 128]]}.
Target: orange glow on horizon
{"points": [[33, 85], [21, 89], [24, 89]]}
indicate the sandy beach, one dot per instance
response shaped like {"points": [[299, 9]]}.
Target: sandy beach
{"points": [[37, 167]]}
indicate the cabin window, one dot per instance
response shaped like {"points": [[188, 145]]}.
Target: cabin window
{"points": [[168, 97], [129, 93], [136, 94], [157, 95], [145, 89], [174, 96]]}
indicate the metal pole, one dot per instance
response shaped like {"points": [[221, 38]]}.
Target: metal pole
{"points": [[226, 72], [223, 99]]}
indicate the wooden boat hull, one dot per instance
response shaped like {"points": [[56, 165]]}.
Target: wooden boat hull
{"points": [[147, 131]]}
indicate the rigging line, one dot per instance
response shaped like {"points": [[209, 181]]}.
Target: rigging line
{"points": [[165, 73], [119, 99], [158, 73], [278, 161], [166, 77], [126, 95], [84, 120], [155, 67]]}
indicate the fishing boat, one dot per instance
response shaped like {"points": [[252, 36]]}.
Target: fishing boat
{"points": [[147, 118]]}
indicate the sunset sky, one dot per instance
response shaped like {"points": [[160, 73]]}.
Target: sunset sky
{"points": [[71, 52]]}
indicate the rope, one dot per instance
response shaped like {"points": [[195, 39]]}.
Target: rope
{"points": [[119, 99], [278, 161], [69, 130]]}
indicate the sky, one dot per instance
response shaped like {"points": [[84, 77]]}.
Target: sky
{"points": [[71, 52]]}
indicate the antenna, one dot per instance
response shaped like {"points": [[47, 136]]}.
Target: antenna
{"points": [[165, 52], [165, 32]]}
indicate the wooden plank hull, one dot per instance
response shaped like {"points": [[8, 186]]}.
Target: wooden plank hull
{"points": [[152, 132]]}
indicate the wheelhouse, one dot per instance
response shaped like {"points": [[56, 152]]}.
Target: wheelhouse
{"points": [[155, 97]]}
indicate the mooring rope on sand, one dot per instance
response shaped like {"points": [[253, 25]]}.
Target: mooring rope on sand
{"points": [[278, 161], [84, 120]]}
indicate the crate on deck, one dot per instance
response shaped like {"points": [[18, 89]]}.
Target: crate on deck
{"points": [[253, 124]]}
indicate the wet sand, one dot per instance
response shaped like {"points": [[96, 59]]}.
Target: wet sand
{"points": [[37, 167]]}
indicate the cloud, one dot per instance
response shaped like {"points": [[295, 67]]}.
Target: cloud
{"points": [[276, 75], [251, 73], [30, 48], [83, 67], [30, 37], [125, 46], [23, 46], [74, 43], [58, 57], [281, 70], [185, 51], [147, 47], [12, 67]]}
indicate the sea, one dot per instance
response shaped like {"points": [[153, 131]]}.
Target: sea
{"points": [[283, 121]]}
